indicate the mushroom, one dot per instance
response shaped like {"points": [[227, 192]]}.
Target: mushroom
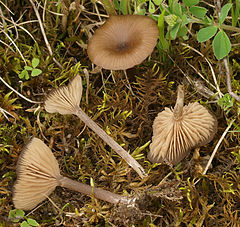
{"points": [[177, 131], [38, 175], [123, 42], [66, 100]]}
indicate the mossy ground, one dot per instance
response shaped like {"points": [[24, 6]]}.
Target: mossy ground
{"points": [[169, 196]]}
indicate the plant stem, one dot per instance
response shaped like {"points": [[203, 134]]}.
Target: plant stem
{"points": [[96, 192], [111, 142], [223, 26]]}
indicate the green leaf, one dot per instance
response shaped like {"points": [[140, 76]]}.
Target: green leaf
{"points": [[116, 4], [35, 62], [184, 19], [177, 10], [108, 6], [36, 72], [141, 1], [26, 67], [151, 8], [190, 2], [24, 224], [182, 32], [27, 76], [174, 31], [224, 12], [197, 11], [207, 20], [221, 45], [162, 39], [32, 222], [157, 2], [140, 11], [19, 213], [124, 6], [235, 13], [23, 74], [226, 101], [207, 33], [15, 218]]}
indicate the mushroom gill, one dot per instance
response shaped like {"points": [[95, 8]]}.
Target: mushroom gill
{"points": [[66, 100], [38, 175], [177, 131]]}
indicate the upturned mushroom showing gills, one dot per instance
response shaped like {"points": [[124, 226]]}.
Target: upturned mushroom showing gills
{"points": [[38, 175], [176, 131], [66, 100], [123, 42]]}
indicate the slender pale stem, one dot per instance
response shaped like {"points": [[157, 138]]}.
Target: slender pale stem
{"points": [[111, 142], [96, 192], [178, 108]]}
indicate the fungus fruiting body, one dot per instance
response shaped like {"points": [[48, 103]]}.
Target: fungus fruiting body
{"points": [[177, 131], [123, 42], [38, 175], [37, 172], [66, 100]]}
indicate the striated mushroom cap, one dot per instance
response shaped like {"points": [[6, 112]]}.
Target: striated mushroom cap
{"points": [[65, 99], [177, 131], [123, 42], [37, 174]]}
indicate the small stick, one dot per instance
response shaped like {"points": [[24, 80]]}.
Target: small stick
{"points": [[215, 149], [228, 80], [217, 146], [22, 96]]}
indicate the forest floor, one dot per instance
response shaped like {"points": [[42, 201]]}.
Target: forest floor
{"points": [[178, 195]]}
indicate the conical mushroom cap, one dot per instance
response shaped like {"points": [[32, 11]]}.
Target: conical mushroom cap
{"points": [[65, 99], [174, 135], [123, 42], [37, 174]]}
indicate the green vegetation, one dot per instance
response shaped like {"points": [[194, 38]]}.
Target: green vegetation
{"points": [[198, 47], [16, 215], [34, 71]]}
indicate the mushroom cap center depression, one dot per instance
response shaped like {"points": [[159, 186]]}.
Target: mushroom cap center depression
{"points": [[123, 42]]}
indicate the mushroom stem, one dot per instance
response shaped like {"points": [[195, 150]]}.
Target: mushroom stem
{"points": [[111, 142], [96, 192], [178, 108], [38, 174]]}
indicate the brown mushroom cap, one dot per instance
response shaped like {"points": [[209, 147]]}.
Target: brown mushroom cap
{"points": [[65, 99], [123, 42], [177, 131], [37, 171]]}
